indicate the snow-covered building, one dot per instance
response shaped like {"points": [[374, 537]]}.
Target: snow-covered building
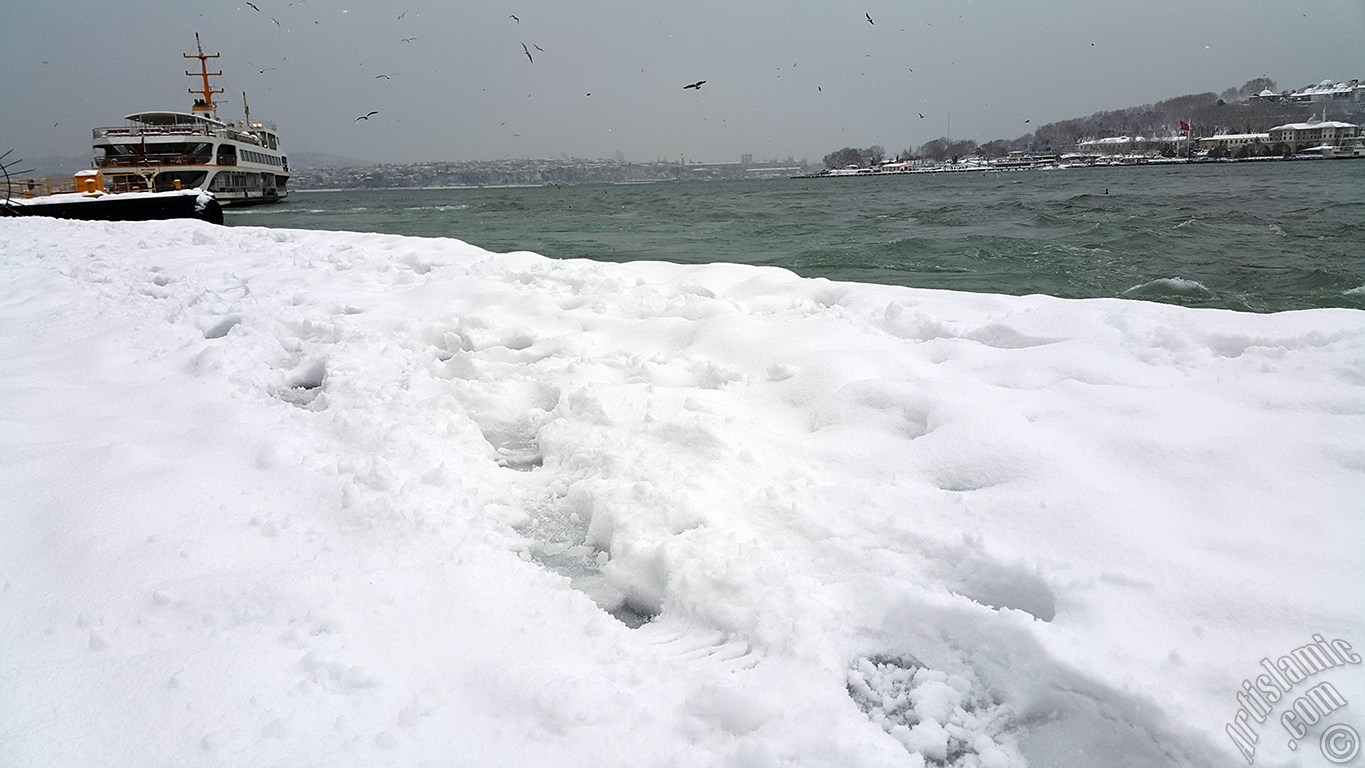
{"points": [[1327, 91], [1232, 141], [1110, 145], [1322, 95], [1314, 133]]}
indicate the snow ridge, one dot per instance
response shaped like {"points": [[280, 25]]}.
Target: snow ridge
{"points": [[338, 498]]}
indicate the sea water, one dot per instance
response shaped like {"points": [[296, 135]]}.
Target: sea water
{"points": [[1260, 237]]}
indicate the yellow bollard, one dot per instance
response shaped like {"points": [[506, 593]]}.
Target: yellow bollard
{"points": [[89, 181]]}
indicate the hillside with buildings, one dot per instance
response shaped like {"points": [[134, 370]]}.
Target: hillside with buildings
{"points": [[1236, 123], [1237, 120]]}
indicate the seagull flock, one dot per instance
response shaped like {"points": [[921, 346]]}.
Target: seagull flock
{"points": [[525, 49]]}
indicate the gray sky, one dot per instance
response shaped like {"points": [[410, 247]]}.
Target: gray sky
{"points": [[799, 78]]}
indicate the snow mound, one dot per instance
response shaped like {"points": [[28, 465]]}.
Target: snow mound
{"points": [[286, 497]]}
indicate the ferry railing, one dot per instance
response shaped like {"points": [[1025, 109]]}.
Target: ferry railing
{"points": [[120, 161], [24, 189], [126, 182], [154, 130], [178, 130], [27, 188]]}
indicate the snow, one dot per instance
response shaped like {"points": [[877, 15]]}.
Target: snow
{"points": [[279, 497], [1312, 126], [202, 197], [1238, 136]]}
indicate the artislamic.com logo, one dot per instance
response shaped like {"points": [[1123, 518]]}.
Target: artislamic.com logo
{"points": [[1339, 743]]}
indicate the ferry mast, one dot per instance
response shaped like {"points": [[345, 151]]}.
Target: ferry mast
{"points": [[204, 105]]}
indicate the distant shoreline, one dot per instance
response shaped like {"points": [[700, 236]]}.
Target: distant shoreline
{"points": [[989, 167], [850, 173]]}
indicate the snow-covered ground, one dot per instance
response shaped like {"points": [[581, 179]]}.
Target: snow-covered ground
{"points": [[275, 497]]}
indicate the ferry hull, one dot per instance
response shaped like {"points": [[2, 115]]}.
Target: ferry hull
{"points": [[121, 207]]}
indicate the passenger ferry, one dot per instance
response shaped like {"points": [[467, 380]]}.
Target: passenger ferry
{"points": [[239, 163]]}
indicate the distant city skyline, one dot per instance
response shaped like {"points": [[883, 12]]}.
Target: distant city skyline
{"points": [[486, 80]]}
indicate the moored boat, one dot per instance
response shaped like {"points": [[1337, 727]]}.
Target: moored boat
{"points": [[89, 201], [162, 165], [239, 162]]}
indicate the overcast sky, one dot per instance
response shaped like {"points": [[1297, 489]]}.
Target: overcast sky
{"points": [[790, 77]]}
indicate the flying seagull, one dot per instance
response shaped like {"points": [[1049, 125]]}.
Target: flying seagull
{"points": [[366, 116], [538, 48], [528, 53], [695, 86], [921, 115], [869, 19], [253, 7], [401, 15], [408, 39], [513, 17], [388, 77]]}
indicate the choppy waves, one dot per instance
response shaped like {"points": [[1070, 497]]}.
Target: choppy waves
{"points": [[1243, 238], [1168, 286]]}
